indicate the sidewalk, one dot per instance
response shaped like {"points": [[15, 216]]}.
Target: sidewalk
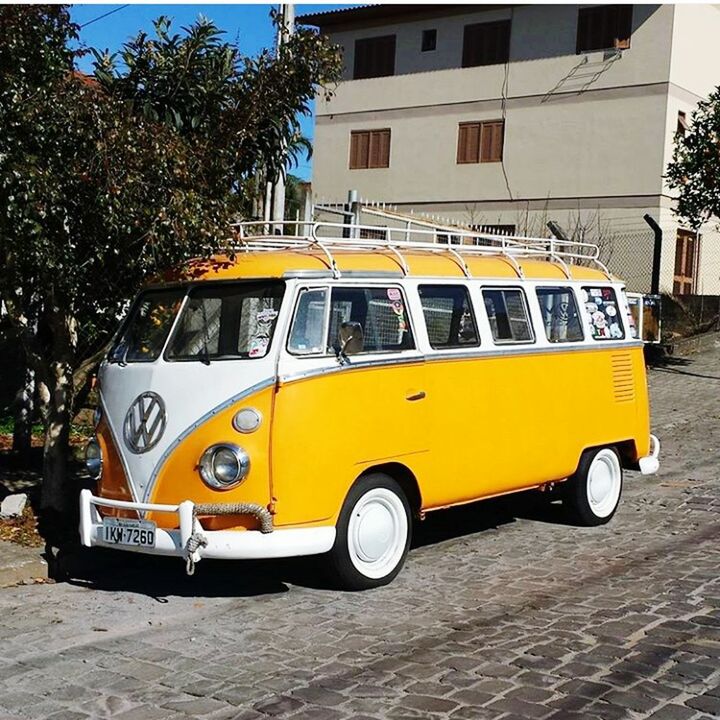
{"points": [[20, 564]]}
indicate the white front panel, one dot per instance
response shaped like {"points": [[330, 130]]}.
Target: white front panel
{"points": [[189, 390]]}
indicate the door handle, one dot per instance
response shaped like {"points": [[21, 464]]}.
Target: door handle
{"points": [[416, 396]]}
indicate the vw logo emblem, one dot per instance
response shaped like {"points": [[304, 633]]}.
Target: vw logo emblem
{"points": [[145, 422]]}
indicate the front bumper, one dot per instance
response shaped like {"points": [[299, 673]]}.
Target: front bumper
{"points": [[650, 464], [221, 544]]}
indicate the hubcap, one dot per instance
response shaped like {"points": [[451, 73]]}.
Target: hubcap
{"points": [[604, 483], [377, 533]]}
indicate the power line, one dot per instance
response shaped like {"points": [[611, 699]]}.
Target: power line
{"points": [[104, 15]]}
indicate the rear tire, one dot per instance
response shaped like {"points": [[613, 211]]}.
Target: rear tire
{"points": [[592, 494], [373, 534]]}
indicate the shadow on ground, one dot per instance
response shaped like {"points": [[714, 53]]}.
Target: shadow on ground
{"points": [[162, 577]]}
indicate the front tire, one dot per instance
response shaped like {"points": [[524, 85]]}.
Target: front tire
{"points": [[592, 494], [373, 534]]}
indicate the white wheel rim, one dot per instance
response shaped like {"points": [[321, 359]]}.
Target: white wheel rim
{"points": [[604, 482], [377, 533]]}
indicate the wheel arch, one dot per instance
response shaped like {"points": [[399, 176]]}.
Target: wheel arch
{"points": [[626, 450], [404, 477]]}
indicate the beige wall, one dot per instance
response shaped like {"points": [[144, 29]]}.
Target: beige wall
{"points": [[565, 149], [542, 56], [586, 135], [695, 59]]}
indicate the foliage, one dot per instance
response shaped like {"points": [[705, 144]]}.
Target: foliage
{"points": [[248, 108], [695, 168], [105, 181]]}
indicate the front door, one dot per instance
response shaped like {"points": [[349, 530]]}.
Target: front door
{"points": [[350, 396]]}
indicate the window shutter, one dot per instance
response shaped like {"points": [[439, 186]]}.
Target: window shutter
{"points": [[492, 142], [359, 146], [604, 27], [384, 148], [471, 42], [486, 43], [468, 143], [374, 57]]}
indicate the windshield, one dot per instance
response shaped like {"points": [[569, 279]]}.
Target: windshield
{"points": [[218, 321], [227, 321], [146, 331]]}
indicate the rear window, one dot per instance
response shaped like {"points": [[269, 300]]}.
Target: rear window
{"points": [[448, 316], [603, 314], [227, 321], [560, 314]]}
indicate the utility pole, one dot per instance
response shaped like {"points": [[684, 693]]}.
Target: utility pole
{"points": [[285, 30]]}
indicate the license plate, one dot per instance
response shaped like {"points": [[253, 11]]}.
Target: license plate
{"points": [[126, 531]]}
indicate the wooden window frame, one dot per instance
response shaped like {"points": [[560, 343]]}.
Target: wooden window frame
{"points": [[685, 272], [477, 50], [363, 143], [368, 60], [682, 124], [598, 24], [473, 150]]}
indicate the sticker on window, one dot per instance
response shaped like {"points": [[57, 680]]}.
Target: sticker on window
{"points": [[602, 313]]}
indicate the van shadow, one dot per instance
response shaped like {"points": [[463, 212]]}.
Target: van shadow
{"points": [[163, 577], [483, 515]]}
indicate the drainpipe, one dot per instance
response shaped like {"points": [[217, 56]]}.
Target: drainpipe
{"points": [[657, 251]]}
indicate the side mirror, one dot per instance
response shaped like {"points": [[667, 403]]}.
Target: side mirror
{"points": [[350, 338]]}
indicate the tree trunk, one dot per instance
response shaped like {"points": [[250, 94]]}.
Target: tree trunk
{"points": [[24, 407], [58, 415]]}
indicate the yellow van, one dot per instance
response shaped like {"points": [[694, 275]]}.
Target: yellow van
{"points": [[310, 395]]}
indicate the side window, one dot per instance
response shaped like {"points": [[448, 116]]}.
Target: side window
{"points": [[371, 319], [448, 316], [508, 315], [560, 314], [603, 313], [308, 326]]}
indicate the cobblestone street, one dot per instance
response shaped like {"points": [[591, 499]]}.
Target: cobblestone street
{"points": [[502, 611]]}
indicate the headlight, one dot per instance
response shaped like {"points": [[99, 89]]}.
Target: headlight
{"points": [[93, 458], [97, 416], [224, 466]]}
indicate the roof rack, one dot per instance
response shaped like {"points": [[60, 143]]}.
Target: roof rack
{"points": [[453, 240]]}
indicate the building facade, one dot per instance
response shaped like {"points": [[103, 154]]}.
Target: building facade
{"points": [[505, 117]]}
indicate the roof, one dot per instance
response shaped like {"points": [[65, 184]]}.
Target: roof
{"points": [[277, 263], [377, 14]]}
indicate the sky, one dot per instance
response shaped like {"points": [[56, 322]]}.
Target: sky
{"points": [[247, 25]]}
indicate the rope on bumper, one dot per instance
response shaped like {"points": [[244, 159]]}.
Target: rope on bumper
{"points": [[198, 540]]}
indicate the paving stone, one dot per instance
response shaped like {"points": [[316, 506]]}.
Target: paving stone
{"points": [[673, 712], [706, 703], [631, 700], [520, 708], [428, 704]]}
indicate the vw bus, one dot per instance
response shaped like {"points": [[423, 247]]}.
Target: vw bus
{"points": [[312, 396]]}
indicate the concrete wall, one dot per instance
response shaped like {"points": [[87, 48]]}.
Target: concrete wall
{"points": [[587, 137], [542, 58], [572, 147]]}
